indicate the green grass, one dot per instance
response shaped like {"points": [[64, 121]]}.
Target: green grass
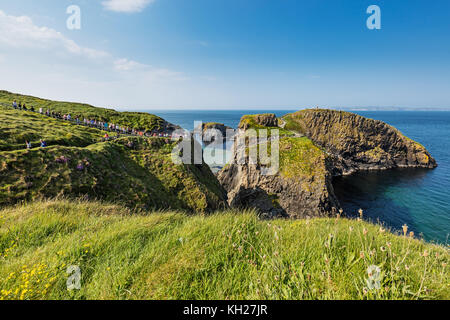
{"points": [[228, 255], [249, 121], [17, 127], [136, 120], [140, 175], [300, 157]]}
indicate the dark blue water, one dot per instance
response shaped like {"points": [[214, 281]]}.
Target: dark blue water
{"points": [[416, 197]]}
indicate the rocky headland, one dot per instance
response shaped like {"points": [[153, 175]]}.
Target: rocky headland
{"points": [[314, 146]]}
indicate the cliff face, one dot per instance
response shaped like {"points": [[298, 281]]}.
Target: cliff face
{"points": [[302, 187], [357, 143]]}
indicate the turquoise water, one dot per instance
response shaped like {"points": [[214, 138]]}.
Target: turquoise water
{"points": [[416, 197]]}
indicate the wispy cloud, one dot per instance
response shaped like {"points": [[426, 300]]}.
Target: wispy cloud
{"points": [[128, 6], [21, 32]]}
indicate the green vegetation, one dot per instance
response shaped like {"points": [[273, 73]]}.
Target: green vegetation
{"points": [[254, 122], [137, 172], [17, 127], [136, 120], [293, 125], [231, 255], [299, 157]]}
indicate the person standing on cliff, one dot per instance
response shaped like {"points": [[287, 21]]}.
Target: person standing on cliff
{"points": [[14, 104]]}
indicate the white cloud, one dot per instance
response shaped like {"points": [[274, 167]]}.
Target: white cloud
{"points": [[147, 72], [128, 6], [21, 32], [127, 65]]}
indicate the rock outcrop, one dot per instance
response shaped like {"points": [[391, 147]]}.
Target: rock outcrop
{"points": [[258, 121], [357, 143], [326, 143], [301, 188]]}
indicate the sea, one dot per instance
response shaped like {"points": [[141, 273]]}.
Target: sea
{"points": [[419, 198]]}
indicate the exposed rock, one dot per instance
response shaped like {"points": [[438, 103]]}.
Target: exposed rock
{"points": [[301, 189], [258, 120]]}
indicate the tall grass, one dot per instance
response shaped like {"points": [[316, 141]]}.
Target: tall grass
{"points": [[127, 254]]}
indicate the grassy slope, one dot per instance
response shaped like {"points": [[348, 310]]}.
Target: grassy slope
{"points": [[136, 120], [230, 255], [251, 123], [17, 127], [140, 176]]}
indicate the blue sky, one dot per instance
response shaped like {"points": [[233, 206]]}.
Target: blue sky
{"points": [[142, 54]]}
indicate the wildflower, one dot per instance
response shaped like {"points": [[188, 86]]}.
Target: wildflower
{"points": [[361, 255], [382, 230], [405, 229], [360, 211], [425, 253], [275, 253], [365, 231], [388, 244], [406, 267], [383, 249], [411, 234]]}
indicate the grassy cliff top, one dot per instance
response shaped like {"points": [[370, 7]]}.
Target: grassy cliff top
{"points": [[136, 120], [17, 127], [263, 121], [299, 157], [230, 255]]}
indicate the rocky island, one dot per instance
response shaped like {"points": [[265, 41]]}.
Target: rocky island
{"points": [[315, 146]]}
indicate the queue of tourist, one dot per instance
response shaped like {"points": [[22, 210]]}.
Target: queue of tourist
{"points": [[93, 123]]}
